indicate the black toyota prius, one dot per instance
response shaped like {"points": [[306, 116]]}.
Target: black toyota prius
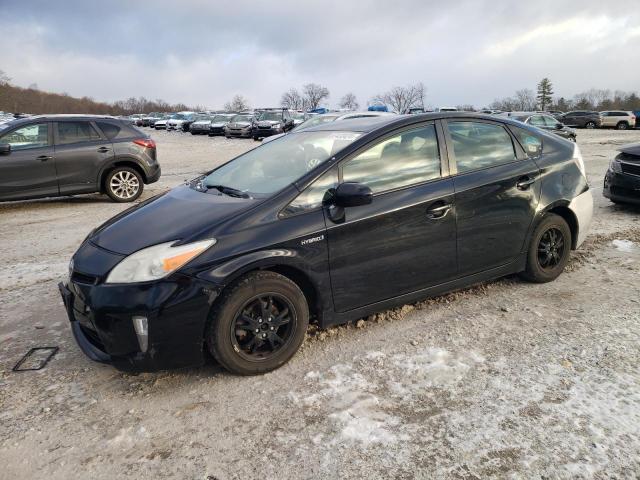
{"points": [[326, 225]]}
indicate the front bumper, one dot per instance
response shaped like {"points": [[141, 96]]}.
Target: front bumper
{"points": [[266, 132], [244, 133], [177, 309], [622, 187]]}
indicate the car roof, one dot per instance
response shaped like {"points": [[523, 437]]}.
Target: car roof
{"points": [[62, 116], [369, 124]]}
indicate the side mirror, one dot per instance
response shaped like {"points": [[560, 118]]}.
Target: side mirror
{"points": [[559, 126], [5, 148], [352, 194]]}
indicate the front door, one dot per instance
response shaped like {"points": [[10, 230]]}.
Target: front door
{"points": [[29, 169], [80, 153], [497, 189], [405, 239]]}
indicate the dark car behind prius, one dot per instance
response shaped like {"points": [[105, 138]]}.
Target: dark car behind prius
{"points": [[53, 155], [582, 119], [545, 122], [622, 181], [324, 225]]}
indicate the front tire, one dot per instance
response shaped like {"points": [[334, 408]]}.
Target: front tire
{"points": [[549, 250], [590, 125], [124, 184], [258, 324]]}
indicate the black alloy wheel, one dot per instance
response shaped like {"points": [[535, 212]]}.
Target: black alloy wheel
{"points": [[551, 249], [258, 323], [263, 326]]}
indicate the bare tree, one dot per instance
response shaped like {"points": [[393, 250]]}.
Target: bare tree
{"points": [[525, 100], [349, 101], [237, 104], [314, 94], [292, 99], [401, 99], [4, 78]]}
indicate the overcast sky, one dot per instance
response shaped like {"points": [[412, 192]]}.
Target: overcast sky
{"points": [[203, 52]]}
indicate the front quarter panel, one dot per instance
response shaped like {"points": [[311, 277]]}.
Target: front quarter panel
{"points": [[297, 243]]}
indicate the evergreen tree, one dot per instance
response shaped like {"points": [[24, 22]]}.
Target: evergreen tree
{"points": [[545, 90]]}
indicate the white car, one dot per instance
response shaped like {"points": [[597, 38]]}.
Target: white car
{"points": [[176, 121], [329, 117]]}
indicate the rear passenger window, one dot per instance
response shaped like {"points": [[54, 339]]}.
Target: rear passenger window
{"points": [[406, 159], [76, 132], [109, 129], [479, 145], [531, 143]]}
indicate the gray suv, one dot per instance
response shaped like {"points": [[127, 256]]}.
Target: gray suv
{"points": [[54, 155]]}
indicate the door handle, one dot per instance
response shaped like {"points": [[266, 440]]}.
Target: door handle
{"points": [[103, 149], [525, 182], [436, 213], [44, 158]]}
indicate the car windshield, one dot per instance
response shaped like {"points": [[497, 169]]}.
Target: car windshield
{"points": [[265, 116], [241, 118], [274, 165], [200, 118], [317, 120], [297, 115], [220, 118]]}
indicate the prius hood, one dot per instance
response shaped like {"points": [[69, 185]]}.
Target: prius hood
{"points": [[180, 214]]}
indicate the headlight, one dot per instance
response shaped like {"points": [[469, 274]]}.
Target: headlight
{"points": [[156, 262], [275, 125], [615, 166]]}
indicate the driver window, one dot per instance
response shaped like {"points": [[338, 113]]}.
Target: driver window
{"points": [[405, 159], [31, 136]]}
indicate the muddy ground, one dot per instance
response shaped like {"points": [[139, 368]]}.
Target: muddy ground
{"points": [[502, 380]]}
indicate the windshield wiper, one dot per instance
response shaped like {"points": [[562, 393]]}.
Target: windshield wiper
{"points": [[232, 192]]}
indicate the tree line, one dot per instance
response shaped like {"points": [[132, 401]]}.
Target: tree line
{"points": [[593, 99]]}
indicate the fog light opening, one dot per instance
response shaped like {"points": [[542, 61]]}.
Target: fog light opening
{"points": [[141, 326]]}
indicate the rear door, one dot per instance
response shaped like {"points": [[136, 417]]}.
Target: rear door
{"points": [[29, 169], [80, 152], [497, 189], [405, 239]]}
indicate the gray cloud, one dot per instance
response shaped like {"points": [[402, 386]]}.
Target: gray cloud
{"points": [[202, 52]]}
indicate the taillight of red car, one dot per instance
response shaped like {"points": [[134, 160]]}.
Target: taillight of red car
{"points": [[145, 142]]}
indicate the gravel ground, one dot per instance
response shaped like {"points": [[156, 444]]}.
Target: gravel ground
{"points": [[505, 379]]}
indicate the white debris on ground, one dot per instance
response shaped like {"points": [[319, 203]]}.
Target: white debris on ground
{"points": [[624, 245]]}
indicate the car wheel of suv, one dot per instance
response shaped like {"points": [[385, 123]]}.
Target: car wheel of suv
{"points": [[590, 125], [549, 250], [622, 125], [256, 138], [259, 324], [124, 184]]}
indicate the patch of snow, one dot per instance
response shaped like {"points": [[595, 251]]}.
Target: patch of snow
{"points": [[25, 274], [626, 246]]}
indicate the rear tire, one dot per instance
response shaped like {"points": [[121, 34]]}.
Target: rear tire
{"points": [[123, 184], [549, 250], [264, 301], [590, 125], [256, 139], [622, 126]]}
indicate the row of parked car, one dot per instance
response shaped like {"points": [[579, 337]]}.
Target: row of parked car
{"points": [[256, 124]]}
